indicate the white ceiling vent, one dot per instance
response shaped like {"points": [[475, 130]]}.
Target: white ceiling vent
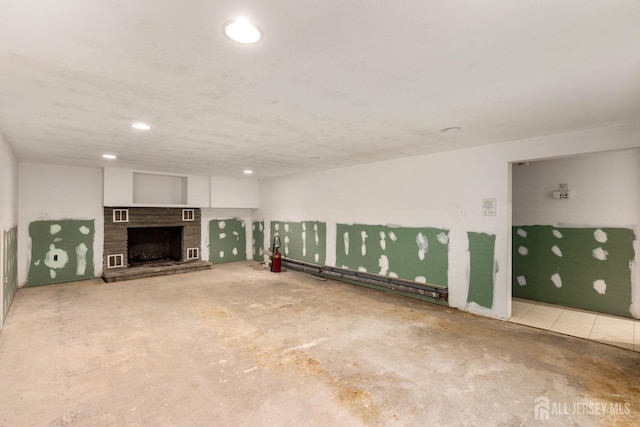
{"points": [[115, 261], [188, 215], [121, 215], [193, 253]]}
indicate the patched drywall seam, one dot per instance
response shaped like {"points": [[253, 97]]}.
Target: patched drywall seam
{"points": [[61, 251], [418, 254], [258, 240], [227, 240], [304, 241], [481, 268], [10, 251], [587, 268]]}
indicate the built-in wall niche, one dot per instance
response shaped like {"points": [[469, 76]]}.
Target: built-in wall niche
{"points": [[159, 189]]}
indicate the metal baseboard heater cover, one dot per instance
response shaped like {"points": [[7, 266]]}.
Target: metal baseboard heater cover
{"points": [[392, 283]]}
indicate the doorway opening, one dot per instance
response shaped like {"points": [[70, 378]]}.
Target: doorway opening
{"points": [[574, 245]]}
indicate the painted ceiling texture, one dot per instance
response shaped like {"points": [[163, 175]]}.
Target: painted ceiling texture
{"points": [[332, 83]]}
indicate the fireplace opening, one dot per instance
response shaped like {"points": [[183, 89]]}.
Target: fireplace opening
{"points": [[153, 244]]}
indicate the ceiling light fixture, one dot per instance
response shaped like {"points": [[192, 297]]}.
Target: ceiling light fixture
{"points": [[241, 30], [141, 126], [248, 172], [451, 129], [109, 156]]}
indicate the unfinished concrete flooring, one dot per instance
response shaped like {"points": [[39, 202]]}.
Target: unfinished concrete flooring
{"points": [[237, 345]]}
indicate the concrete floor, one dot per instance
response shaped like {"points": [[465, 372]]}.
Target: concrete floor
{"points": [[238, 345]]}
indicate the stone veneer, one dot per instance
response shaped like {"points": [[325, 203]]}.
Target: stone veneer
{"points": [[115, 233]]}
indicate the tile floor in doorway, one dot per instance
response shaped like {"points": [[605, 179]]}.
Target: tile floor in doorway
{"points": [[619, 331]]}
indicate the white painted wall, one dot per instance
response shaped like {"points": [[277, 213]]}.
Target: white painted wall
{"points": [[210, 214], [198, 191], [228, 192], [604, 192], [8, 186], [8, 202], [427, 191], [48, 192], [118, 187]]}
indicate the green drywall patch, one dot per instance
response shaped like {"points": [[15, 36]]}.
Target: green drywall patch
{"points": [[258, 240], [586, 268], [419, 254], [304, 241], [10, 251], [481, 268], [61, 251], [227, 240]]}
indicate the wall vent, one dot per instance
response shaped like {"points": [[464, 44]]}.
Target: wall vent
{"points": [[188, 215], [121, 215], [193, 253], [114, 261]]}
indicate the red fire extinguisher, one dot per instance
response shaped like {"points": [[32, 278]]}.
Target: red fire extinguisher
{"points": [[276, 259], [276, 263]]}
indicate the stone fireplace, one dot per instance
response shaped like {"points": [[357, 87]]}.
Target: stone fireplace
{"points": [[135, 237]]}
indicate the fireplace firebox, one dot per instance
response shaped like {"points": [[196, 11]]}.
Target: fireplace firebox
{"points": [[148, 244]]}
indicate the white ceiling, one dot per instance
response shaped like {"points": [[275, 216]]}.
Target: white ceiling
{"points": [[350, 81]]}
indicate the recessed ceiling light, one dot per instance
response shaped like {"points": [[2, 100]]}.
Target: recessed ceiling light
{"points": [[241, 30], [314, 158], [141, 126], [109, 156], [451, 129], [248, 172]]}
